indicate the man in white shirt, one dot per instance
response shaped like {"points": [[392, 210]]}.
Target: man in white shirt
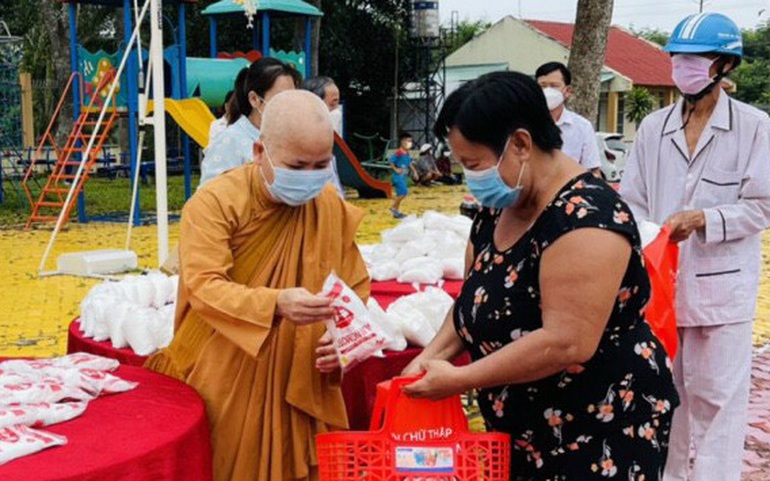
{"points": [[577, 133], [702, 166]]}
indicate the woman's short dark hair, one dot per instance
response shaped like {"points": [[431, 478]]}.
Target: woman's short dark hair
{"points": [[491, 108], [550, 67], [259, 77], [318, 85]]}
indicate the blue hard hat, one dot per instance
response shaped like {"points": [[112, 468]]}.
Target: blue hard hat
{"points": [[706, 33]]}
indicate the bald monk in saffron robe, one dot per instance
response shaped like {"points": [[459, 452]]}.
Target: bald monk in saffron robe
{"points": [[256, 244]]}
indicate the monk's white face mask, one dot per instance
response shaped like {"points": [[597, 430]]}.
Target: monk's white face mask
{"points": [[296, 187]]}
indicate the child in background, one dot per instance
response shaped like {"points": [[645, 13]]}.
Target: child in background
{"points": [[401, 165]]}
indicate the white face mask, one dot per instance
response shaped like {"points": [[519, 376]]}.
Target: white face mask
{"points": [[553, 97]]}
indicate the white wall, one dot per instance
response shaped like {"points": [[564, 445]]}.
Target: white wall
{"points": [[510, 41]]}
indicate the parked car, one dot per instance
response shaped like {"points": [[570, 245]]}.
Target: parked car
{"points": [[612, 154]]}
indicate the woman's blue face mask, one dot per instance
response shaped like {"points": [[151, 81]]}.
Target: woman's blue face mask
{"points": [[297, 187], [490, 189]]}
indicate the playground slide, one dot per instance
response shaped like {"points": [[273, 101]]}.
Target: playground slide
{"points": [[354, 176], [192, 115]]}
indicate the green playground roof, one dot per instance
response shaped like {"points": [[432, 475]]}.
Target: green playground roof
{"points": [[291, 7]]}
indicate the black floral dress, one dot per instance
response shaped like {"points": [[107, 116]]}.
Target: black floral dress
{"points": [[606, 419]]}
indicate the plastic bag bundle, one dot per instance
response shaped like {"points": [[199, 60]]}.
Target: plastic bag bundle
{"points": [[421, 270], [436, 236], [132, 312], [356, 337], [385, 271], [139, 330], [397, 341], [421, 315]]}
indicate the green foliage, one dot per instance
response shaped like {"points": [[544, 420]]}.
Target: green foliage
{"points": [[654, 35], [465, 32], [639, 103], [753, 75]]}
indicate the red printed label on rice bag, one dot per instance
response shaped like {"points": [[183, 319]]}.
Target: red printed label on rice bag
{"points": [[355, 336]]}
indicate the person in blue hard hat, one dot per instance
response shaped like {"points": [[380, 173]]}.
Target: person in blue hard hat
{"points": [[702, 166]]}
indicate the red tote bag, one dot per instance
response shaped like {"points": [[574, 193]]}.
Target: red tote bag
{"points": [[661, 259]]}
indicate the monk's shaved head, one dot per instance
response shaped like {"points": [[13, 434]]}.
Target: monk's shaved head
{"points": [[298, 122], [297, 134]]}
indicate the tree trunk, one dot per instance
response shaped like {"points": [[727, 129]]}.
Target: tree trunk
{"points": [[315, 43], [586, 59], [56, 18]]}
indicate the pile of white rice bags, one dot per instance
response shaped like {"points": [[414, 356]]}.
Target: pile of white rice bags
{"points": [[422, 250], [135, 312]]}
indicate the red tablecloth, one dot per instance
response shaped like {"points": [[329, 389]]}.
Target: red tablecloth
{"points": [[387, 292], [157, 431], [77, 342]]}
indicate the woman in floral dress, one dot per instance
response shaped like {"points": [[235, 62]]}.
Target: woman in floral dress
{"points": [[552, 309]]}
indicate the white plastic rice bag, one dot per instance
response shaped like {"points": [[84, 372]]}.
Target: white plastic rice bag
{"points": [[100, 328], [407, 230], [120, 313], [434, 304], [19, 441], [461, 225], [449, 248], [138, 331], [40, 414], [397, 341], [162, 287], [454, 268], [384, 253], [416, 248], [385, 271], [83, 360], [422, 270], [414, 325], [163, 326], [19, 389], [435, 220], [355, 336], [130, 288]]}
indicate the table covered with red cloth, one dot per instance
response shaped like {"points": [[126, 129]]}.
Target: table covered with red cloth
{"points": [[157, 431]]}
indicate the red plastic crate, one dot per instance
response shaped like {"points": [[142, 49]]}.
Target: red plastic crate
{"points": [[414, 439]]}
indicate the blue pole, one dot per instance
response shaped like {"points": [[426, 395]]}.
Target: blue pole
{"points": [[266, 34], [183, 94], [132, 103], [74, 59], [213, 36], [308, 48], [76, 96], [255, 36]]}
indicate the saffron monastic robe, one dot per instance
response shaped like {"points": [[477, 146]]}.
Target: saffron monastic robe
{"points": [[256, 373]]}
